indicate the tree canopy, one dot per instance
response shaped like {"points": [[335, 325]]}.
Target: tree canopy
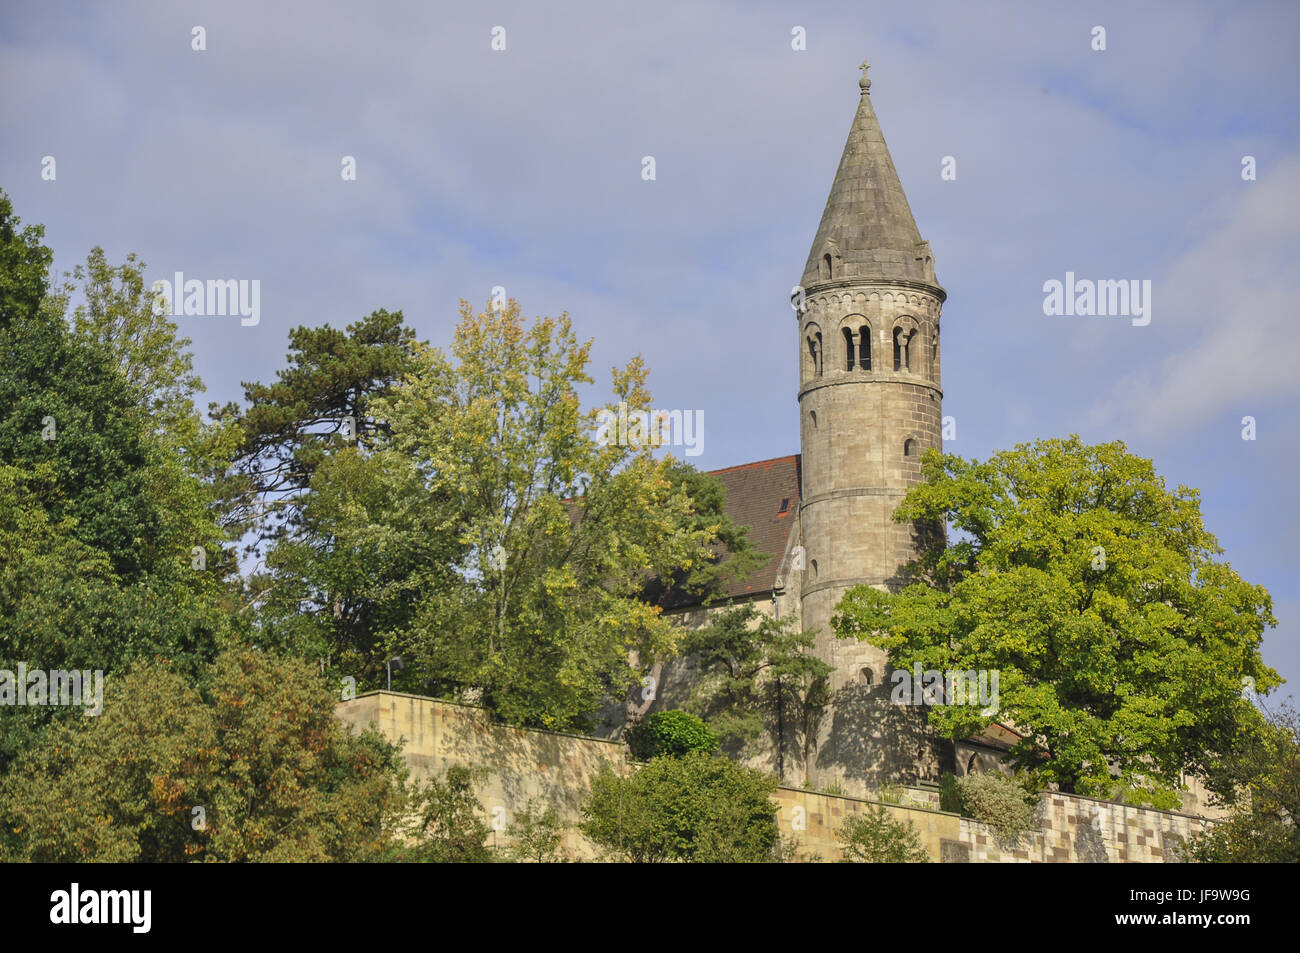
{"points": [[759, 679], [1258, 779], [250, 764], [102, 507], [1094, 591]]}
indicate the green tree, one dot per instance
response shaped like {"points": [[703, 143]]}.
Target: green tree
{"points": [[344, 538], [557, 529], [874, 837], [732, 555], [758, 675], [117, 314], [538, 835], [68, 414], [1258, 779], [1092, 590], [249, 765], [100, 513], [117, 311], [321, 403], [446, 826], [698, 807], [371, 543]]}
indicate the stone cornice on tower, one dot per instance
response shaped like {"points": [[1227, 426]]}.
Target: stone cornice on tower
{"points": [[867, 229], [855, 286]]}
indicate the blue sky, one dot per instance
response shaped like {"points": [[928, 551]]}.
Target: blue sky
{"points": [[522, 168]]}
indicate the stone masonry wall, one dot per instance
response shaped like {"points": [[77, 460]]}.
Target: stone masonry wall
{"points": [[1070, 830], [862, 430], [557, 769], [521, 764]]}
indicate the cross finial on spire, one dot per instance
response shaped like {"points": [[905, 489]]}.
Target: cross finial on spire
{"points": [[864, 84]]}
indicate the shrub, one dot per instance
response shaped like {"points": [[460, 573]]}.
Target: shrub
{"points": [[694, 808], [447, 827], [537, 835], [999, 801], [672, 733], [874, 837], [251, 765]]}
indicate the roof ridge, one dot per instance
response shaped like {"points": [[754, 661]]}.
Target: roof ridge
{"points": [[755, 463]]}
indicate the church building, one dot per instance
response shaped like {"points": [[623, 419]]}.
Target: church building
{"points": [[866, 320]]}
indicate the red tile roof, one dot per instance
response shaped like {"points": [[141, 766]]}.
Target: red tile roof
{"points": [[755, 492]]}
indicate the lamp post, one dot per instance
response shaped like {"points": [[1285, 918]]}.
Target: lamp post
{"points": [[395, 662]]}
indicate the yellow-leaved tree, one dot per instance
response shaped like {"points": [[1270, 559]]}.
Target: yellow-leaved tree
{"points": [[557, 525]]}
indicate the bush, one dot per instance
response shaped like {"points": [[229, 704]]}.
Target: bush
{"points": [[874, 837], [999, 801], [694, 808], [673, 733], [446, 828], [538, 835]]}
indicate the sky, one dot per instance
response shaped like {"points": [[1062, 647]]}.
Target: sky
{"points": [[523, 167]]}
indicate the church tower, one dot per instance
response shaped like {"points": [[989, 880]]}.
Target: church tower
{"points": [[870, 402]]}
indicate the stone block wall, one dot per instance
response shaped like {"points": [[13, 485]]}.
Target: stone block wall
{"points": [[521, 764], [813, 821], [555, 769], [1074, 829], [1070, 829]]}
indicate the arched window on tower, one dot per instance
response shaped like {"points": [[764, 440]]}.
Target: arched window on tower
{"points": [[909, 447], [815, 354], [902, 359], [828, 268], [848, 349], [864, 348]]}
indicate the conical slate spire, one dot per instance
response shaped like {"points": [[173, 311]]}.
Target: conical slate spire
{"points": [[867, 228]]}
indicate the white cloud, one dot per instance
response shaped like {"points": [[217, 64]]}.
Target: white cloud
{"points": [[1226, 314]]}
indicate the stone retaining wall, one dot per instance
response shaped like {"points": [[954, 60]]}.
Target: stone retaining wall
{"points": [[554, 769]]}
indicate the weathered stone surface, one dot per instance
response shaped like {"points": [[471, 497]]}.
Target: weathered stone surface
{"points": [[870, 402], [556, 770]]}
